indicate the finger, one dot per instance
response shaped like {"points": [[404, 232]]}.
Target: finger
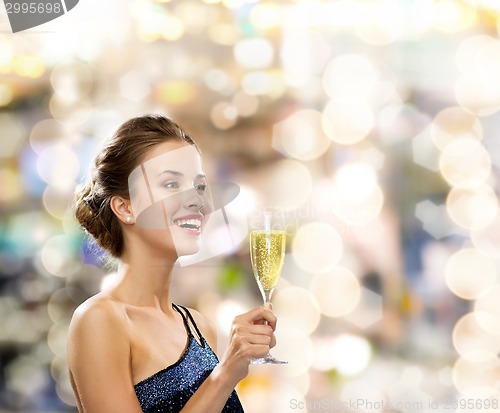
{"points": [[257, 315], [260, 339], [268, 317], [273, 341], [260, 351], [261, 329]]}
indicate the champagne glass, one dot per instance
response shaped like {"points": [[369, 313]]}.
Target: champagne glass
{"points": [[267, 253]]}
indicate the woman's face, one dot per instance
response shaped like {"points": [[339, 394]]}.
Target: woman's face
{"points": [[169, 197]]}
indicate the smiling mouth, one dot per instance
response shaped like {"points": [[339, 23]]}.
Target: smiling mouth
{"points": [[192, 223]]}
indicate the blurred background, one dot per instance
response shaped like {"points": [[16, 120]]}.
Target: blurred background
{"points": [[374, 124]]}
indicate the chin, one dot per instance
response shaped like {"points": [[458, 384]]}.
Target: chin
{"points": [[185, 246]]}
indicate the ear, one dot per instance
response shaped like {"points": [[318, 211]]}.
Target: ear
{"points": [[122, 208]]}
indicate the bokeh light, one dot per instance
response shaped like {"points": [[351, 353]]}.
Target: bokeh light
{"points": [[452, 123], [348, 120], [356, 118], [290, 339], [175, 92], [72, 82], [453, 15], [487, 239], [59, 165], [13, 135], [352, 354], [469, 273], [56, 255], [475, 378], [56, 201], [261, 82], [47, 132], [224, 115], [487, 306], [479, 62], [317, 247], [301, 135], [288, 184], [473, 342], [266, 15], [135, 86], [29, 66], [305, 317], [6, 94], [382, 22], [337, 291], [304, 55], [254, 53], [356, 197], [355, 182], [350, 75], [220, 81], [463, 205]]}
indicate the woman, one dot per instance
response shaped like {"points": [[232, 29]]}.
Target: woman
{"points": [[130, 349]]}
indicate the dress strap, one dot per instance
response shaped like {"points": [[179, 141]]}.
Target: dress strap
{"points": [[186, 323]]}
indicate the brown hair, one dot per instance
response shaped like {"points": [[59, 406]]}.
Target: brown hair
{"points": [[110, 173]]}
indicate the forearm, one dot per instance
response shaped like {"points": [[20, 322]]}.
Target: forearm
{"points": [[212, 395]]}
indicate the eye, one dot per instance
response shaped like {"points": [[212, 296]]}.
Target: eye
{"points": [[201, 188], [171, 185]]}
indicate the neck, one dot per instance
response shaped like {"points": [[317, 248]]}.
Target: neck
{"points": [[144, 280]]}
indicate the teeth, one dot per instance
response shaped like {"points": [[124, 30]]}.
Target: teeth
{"points": [[189, 223]]}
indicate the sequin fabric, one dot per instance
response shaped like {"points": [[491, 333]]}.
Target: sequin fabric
{"points": [[169, 389]]}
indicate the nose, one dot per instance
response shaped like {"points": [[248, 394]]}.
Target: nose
{"points": [[193, 200]]}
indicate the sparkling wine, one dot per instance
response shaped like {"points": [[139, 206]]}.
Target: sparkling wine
{"points": [[267, 255]]}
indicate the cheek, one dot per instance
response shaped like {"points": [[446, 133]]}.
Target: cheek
{"points": [[152, 218], [159, 215], [158, 240]]}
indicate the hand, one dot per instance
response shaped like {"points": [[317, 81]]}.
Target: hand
{"points": [[250, 337]]}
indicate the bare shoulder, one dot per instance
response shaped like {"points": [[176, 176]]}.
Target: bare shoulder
{"points": [[206, 326], [96, 314]]}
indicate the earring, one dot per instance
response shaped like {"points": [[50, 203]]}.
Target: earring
{"points": [[128, 219]]}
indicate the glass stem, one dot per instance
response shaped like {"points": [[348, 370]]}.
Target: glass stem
{"points": [[266, 294]]}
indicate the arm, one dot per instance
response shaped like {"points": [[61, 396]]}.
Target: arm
{"points": [[99, 361], [248, 338]]}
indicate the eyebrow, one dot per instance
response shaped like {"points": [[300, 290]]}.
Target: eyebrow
{"points": [[177, 173]]}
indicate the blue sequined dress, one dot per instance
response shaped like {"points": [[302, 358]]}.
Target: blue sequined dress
{"points": [[170, 388]]}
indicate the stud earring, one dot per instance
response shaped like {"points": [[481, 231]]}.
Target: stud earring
{"points": [[128, 219]]}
